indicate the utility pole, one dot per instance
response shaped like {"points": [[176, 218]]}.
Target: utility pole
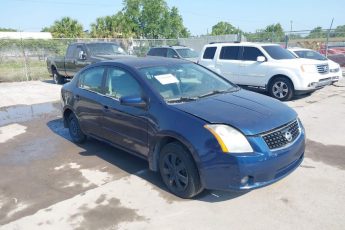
{"points": [[291, 26], [329, 31]]}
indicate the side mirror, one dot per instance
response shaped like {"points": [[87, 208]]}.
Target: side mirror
{"points": [[260, 59], [135, 101], [175, 56], [82, 55]]}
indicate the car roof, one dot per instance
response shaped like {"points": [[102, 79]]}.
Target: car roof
{"points": [[241, 44], [173, 47], [100, 42], [142, 62]]}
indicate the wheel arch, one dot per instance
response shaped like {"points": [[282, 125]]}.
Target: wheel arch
{"points": [[163, 139], [277, 76]]}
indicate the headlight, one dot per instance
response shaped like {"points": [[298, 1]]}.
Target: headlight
{"points": [[230, 139], [308, 68]]}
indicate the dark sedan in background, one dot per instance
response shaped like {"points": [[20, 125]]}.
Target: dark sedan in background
{"points": [[193, 126]]}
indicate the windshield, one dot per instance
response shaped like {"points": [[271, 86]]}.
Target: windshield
{"points": [[185, 82], [187, 53], [105, 49], [277, 52], [310, 54]]}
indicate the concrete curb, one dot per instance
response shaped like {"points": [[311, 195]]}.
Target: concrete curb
{"points": [[20, 113]]}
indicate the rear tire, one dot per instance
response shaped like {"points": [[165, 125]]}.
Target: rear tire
{"points": [[58, 79], [75, 132], [178, 171], [282, 89]]}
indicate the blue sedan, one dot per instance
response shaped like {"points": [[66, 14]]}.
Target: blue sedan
{"points": [[194, 127]]}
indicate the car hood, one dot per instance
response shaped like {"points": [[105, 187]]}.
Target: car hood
{"points": [[250, 112], [302, 61]]}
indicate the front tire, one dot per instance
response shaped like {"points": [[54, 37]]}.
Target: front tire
{"points": [[282, 89], [75, 132], [58, 79], [178, 171]]}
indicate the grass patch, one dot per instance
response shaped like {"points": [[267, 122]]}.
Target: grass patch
{"points": [[15, 70]]}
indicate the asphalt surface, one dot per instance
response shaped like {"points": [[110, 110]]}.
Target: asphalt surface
{"points": [[48, 182]]}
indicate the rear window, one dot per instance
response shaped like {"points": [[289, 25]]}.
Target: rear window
{"points": [[251, 53], [277, 52], [229, 52], [209, 52]]}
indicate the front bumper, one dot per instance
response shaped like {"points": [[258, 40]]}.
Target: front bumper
{"points": [[311, 82], [255, 170]]}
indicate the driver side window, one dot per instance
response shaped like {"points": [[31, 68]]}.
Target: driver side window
{"points": [[120, 83]]}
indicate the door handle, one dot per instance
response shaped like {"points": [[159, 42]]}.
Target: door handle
{"points": [[77, 97], [106, 108]]}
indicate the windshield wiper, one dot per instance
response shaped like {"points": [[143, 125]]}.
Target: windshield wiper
{"points": [[214, 92], [182, 99]]}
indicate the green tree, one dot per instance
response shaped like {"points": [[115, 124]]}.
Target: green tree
{"points": [[271, 33], [339, 31], [7, 30], [132, 14], [172, 25], [152, 15], [317, 32], [222, 28], [65, 28], [141, 18]]}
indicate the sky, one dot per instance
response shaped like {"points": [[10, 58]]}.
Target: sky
{"points": [[198, 16]]}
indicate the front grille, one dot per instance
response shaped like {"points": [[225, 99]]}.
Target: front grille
{"points": [[282, 136], [322, 68]]}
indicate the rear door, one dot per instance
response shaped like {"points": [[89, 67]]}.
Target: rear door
{"points": [[88, 100], [229, 64], [125, 126], [251, 71], [69, 60]]}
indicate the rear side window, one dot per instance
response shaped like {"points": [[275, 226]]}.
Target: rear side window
{"points": [[251, 53], [209, 52], [91, 79], [229, 52], [162, 52]]}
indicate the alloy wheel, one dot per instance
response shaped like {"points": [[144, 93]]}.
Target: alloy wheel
{"points": [[280, 89]]}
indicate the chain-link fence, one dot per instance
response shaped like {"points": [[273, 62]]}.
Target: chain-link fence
{"points": [[25, 59]]}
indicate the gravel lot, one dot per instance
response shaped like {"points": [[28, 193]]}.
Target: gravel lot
{"points": [[48, 182]]}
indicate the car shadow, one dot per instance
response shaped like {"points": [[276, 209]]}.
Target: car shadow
{"points": [[51, 81], [135, 166]]}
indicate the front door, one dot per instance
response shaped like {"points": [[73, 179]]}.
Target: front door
{"points": [[125, 126], [252, 72]]}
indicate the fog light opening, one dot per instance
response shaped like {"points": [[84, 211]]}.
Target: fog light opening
{"points": [[313, 84], [244, 180]]}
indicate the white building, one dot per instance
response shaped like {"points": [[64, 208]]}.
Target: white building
{"points": [[25, 35]]}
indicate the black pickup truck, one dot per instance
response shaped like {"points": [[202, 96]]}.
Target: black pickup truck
{"points": [[79, 55]]}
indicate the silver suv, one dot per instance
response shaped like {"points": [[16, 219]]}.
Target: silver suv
{"points": [[181, 52]]}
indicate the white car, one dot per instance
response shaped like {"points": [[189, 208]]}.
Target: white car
{"points": [[334, 68], [267, 67]]}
